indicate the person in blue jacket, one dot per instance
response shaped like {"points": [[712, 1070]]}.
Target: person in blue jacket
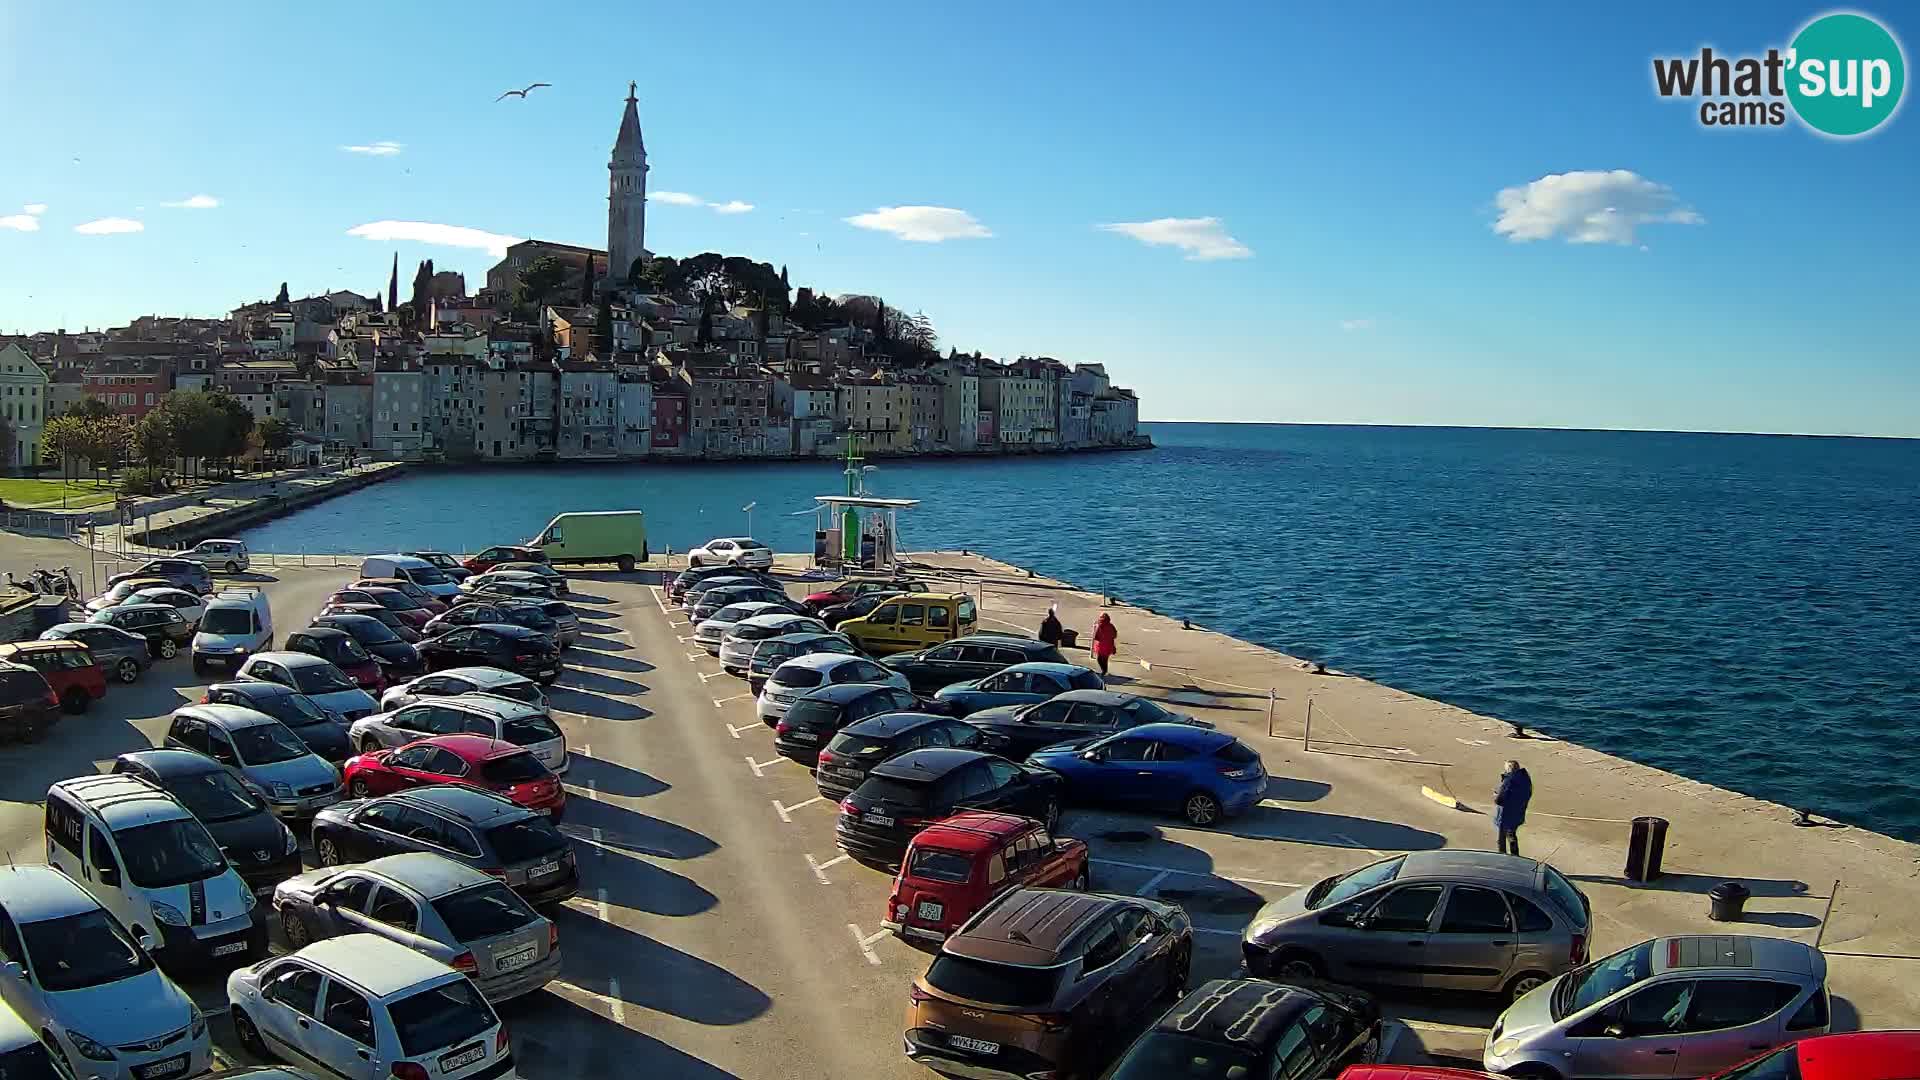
{"points": [[1510, 806]]}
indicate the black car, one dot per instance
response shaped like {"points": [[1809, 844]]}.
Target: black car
{"points": [[324, 733], [714, 599], [861, 745], [1074, 715], [472, 611], [185, 573], [399, 659], [974, 656], [736, 580], [677, 589], [488, 832], [166, 630], [900, 797], [819, 714], [263, 851], [28, 705], [336, 647], [853, 609], [1252, 1027], [391, 620], [502, 645]]}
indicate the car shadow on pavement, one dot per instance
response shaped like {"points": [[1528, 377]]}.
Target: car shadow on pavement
{"points": [[656, 976], [610, 663], [549, 1032], [585, 704], [630, 830], [1770, 888], [635, 883], [578, 597], [601, 644], [573, 678], [610, 778], [1329, 830], [1291, 789], [601, 616]]}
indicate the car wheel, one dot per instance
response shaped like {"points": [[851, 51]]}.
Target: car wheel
{"points": [[169, 648], [692, 561], [368, 744], [59, 1054], [1370, 1052], [1052, 817], [1533, 1072], [326, 851], [298, 936], [359, 789], [249, 1035], [626, 564], [1200, 808], [1524, 984], [75, 700], [127, 670], [1297, 964], [233, 568]]}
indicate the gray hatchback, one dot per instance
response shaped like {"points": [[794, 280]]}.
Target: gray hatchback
{"points": [[1454, 920], [124, 655]]}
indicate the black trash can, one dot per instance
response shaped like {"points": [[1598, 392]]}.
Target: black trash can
{"points": [[1645, 846], [1729, 900]]}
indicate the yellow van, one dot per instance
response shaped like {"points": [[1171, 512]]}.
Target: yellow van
{"points": [[911, 622]]}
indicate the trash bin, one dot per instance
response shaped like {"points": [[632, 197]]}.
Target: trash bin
{"points": [[1645, 846], [1069, 637], [1729, 900]]}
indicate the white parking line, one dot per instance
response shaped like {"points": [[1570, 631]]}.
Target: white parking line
{"points": [[599, 842], [1163, 870], [786, 812], [1147, 889], [1351, 842], [696, 656], [866, 943], [1216, 930], [592, 791], [720, 701], [586, 749], [600, 899], [705, 675], [613, 998], [758, 766], [1444, 1029], [820, 868]]}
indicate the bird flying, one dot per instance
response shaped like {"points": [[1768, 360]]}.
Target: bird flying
{"points": [[521, 93]]}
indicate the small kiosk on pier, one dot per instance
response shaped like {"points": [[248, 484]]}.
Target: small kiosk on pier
{"points": [[858, 530]]}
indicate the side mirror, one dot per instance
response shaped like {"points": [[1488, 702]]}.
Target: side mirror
{"points": [[15, 969], [108, 876], [144, 939], [1614, 1031], [1091, 755]]}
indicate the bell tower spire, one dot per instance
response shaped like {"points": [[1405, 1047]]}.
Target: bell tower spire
{"points": [[627, 193]]}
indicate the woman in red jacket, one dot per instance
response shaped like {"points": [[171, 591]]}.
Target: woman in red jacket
{"points": [[1104, 636]]}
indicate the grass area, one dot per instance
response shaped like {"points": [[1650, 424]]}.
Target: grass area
{"points": [[27, 494]]}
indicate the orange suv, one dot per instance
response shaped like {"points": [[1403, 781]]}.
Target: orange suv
{"points": [[1046, 983]]}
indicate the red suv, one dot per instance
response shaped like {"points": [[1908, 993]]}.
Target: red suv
{"points": [[493, 764], [503, 553], [69, 667], [955, 866]]}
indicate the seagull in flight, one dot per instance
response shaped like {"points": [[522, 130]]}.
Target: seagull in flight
{"points": [[521, 93]]}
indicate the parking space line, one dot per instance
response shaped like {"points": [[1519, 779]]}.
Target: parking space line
{"points": [[735, 731], [1351, 842], [613, 998], [1216, 930], [820, 868], [1389, 1040], [705, 675], [720, 701], [586, 749], [1147, 889], [1442, 1029], [759, 766], [696, 655], [866, 943], [600, 898], [786, 812], [1163, 870], [660, 598]]}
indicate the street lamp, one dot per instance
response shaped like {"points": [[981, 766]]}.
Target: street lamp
{"points": [[749, 511]]}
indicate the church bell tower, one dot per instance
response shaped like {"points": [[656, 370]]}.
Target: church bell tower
{"points": [[627, 194]]}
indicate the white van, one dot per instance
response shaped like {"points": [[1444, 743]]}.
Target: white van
{"points": [[407, 568], [154, 866], [237, 623]]}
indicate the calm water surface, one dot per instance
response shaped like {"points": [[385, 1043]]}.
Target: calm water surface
{"points": [[1739, 609]]}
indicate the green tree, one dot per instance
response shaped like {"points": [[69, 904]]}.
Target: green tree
{"points": [[153, 439], [282, 300], [276, 436], [541, 281], [236, 427], [91, 408], [659, 273], [9, 441], [63, 440], [704, 336], [198, 425], [603, 327]]}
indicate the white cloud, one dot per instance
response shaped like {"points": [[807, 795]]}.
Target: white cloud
{"points": [[675, 198], [923, 224], [427, 232], [20, 222], [35, 208], [1356, 324], [383, 148], [1588, 207], [109, 226], [194, 202], [1201, 238], [733, 206]]}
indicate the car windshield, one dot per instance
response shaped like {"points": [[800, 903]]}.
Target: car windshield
{"points": [[1009, 985], [440, 1018], [910, 795], [371, 632], [523, 691], [213, 797], [527, 730], [1584, 987], [482, 912], [293, 710], [1565, 897], [27, 1062], [514, 769], [1163, 1054], [169, 853], [266, 744], [1782, 1064], [77, 951], [770, 655], [394, 601], [938, 864], [1085, 680], [1237, 753], [810, 713], [754, 633], [526, 840], [321, 679], [1353, 883], [426, 575], [352, 650], [227, 620]]}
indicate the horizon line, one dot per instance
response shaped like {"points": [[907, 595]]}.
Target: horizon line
{"points": [[1542, 427]]}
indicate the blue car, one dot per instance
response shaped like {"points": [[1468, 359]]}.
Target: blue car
{"points": [[1201, 774], [1021, 684]]}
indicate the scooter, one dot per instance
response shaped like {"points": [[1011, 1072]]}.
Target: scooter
{"points": [[46, 583]]}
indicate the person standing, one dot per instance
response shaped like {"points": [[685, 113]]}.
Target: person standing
{"points": [[1104, 637], [1510, 806]]}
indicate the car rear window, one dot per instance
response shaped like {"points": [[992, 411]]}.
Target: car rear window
{"points": [[938, 864], [859, 746], [902, 793], [17, 685], [483, 911], [1237, 752], [811, 713], [513, 769], [1565, 897], [526, 840], [796, 676], [518, 691], [527, 730], [440, 1018], [994, 984], [1085, 680]]}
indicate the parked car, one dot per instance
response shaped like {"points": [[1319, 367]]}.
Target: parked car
{"points": [[28, 706], [69, 668], [185, 573], [434, 906], [477, 610], [514, 723], [125, 655], [566, 623], [615, 536], [803, 674], [339, 1004], [465, 680], [411, 611], [166, 630], [402, 628], [900, 797], [1044, 981], [1411, 1072], [119, 593], [714, 601], [1677, 1006], [324, 731], [228, 555], [976, 656], [255, 840], [493, 764], [342, 650], [260, 750], [1253, 1027], [510, 648], [413, 570], [397, 659], [911, 621], [79, 977], [22, 1049], [190, 605], [855, 588], [328, 686], [683, 582], [1200, 774], [477, 828], [722, 579], [537, 569], [238, 622], [957, 866], [513, 582], [733, 551], [1485, 921], [738, 644], [860, 745], [770, 653], [500, 553], [1021, 684], [433, 602], [1074, 716], [835, 614], [709, 632], [1855, 1055], [442, 562], [820, 713]]}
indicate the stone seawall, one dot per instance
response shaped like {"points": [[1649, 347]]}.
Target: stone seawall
{"points": [[190, 528]]}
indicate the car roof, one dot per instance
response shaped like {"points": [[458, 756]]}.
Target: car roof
{"points": [[502, 708], [973, 830], [887, 725], [430, 875], [36, 645], [841, 693], [253, 688], [325, 631], [32, 892], [822, 661], [293, 659], [1187, 735], [1028, 926], [122, 801], [1860, 1055], [1048, 667], [1249, 1012], [474, 747], [484, 676], [775, 618], [1488, 867], [231, 717], [476, 806], [167, 587], [1743, 951], [1004, 637], [1111, 698], [376, 965], [69, 627], [1403, 1072], [748, 608], [409, 561], [512, 630], [141, 607], [927, 763], [168, 761], [341, 615]]}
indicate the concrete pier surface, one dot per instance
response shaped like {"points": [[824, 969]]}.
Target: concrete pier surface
{"points": [[719, 932]]}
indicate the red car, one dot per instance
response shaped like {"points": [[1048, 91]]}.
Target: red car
{"points": [[401, 628], [68, 666], [411, 611], [1857, 1055], [848, 591], [954, 866], [494, 764], [503, 553], [1410, 1072], [413, 592]]}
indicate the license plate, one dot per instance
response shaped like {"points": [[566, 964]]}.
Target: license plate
{"points": [[460, 1059], [782, 698], [929, 909], [803, 736], [879, 819], [230, 948], [544, 869], [978, 1046], [516, 961], [169, 1067], [848, 774]]}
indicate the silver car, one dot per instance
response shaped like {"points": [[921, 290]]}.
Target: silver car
{"points": [[737, 646], [328, 686], [294, 781], [690, 598], [1452, 920], [1678, 1006], [709, 632], [465, 680], [792, 680], [433, 905], [505, 719], [124, 655], [714, 599]]}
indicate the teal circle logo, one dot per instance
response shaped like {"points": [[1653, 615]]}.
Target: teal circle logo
{"points": [[1846, 74]]}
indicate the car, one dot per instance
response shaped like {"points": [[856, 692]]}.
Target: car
{"points": [[975, 656], [69, 668], [1485, 922], [803, 674], [721, 578], [416, 593], [710, 631], [190, 605], [510, 648], [185, 573], [513, 582], [820, 713], [228, 555], [477, 828], [339, 1004], [328, 686], [1204, 776], [459, 916], [28, 706], [855, 588], [165, 629], [442, 562], [1254, 1027], [958, 865], [1041, 982], [1410, 1072], [262, 752], [413, 570], [855, 608], [476, 610], [238, 622], [465, 680], [1021, 684], [125, 588], [912, 621], [844, 761], [411, 611], [491, 557], [585, 536], [343, 651], [738, 644], [255, 840], [493, 764], [714, 601], [733, 551], [513, 722], [770, 653], [1066, 717], [324, 731], [537, 569], [677, 587], [402, 628], [397, 659], [1855, 1055], [89, 986], [1674, 1006], [22, 1052], [902, 796], [566, 630], [123, 654]]}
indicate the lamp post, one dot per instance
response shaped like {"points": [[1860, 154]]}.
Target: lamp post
{"points": [[749, 510]]}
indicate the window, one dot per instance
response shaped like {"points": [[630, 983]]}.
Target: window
{"points": [[352, 894], [1127, 750], [996, 868], [395, 909], [1406, 910], [937, 617], [1813, 1014], [1002, 772], [412, 757], [100, 851], [913, 614], [348, 1013], [1528, 917], [884, 614], [1660, 1009], [1104, 946], [1472, 910], [1732, 1003], [295, 987]]}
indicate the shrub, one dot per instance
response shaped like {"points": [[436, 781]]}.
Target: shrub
{"points": [[145, 480]]}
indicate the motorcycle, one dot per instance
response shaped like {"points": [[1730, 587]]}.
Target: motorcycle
{"points": [[43, 582]]}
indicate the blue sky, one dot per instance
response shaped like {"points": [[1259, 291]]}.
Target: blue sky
{"points": [[1353, 155]]}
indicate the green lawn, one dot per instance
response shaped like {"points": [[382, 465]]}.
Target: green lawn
{"points": [[42, 494]]}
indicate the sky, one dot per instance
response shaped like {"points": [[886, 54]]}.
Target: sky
{"points": [[1348, 213]]}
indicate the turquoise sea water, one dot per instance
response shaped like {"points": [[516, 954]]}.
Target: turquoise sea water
{"points": [[1741, 609]]}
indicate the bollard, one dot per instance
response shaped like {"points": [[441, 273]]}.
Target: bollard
{"points": [[1727, 901], [1272, 697], [1832, 895]]}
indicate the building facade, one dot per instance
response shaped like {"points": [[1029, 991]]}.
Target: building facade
{"points": [[23, 407]]}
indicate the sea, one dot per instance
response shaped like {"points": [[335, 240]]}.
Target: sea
{"points": [[1740, 609]]}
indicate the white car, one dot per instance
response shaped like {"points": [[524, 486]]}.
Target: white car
{"points": [[70, 969], [191, 606], [709, 632], [464, 680], [814, 670], [328, 686], [737, 645], [732, 551], [362, 1006], [228, 555]]}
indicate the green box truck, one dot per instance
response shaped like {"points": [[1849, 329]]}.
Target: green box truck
{"points": [[615, 536]]}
